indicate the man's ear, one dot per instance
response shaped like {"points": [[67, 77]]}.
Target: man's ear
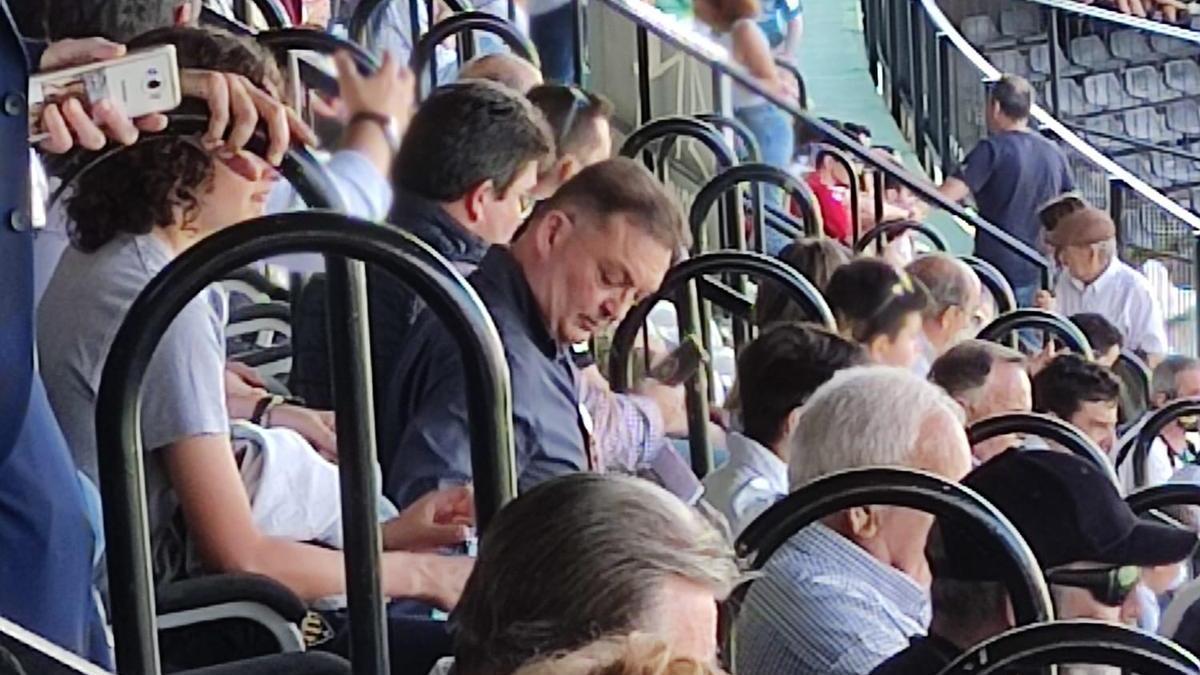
{"points": [[567, 166], [552, 229], [475, 199], [863, 522]]}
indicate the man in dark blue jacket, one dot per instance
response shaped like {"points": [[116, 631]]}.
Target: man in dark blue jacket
{"points": [[603, 242]]}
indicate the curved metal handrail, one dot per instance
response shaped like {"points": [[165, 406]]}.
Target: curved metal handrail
{"points": [[746, 137], [758, 172], [855, 194], [1047, 427], [1075, 641], [996, 282], [1159, 496], [680, 284], [288, 39], [912, 489], [118, 409], [468, 22], [215, 19], [665, 128], [1136, 444], [273, 13], [899, 227], [989, 72], [794, 71], [717, 58], [1040, 319], [789, 279], [361, 18]]}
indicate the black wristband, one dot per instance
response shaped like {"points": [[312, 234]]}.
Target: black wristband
{"points": [[262, 406]]}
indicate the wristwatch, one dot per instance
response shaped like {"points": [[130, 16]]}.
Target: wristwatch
{"points": [[386, 123]]}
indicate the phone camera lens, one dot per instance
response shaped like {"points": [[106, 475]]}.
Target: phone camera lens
{"points": [[154, 84]]}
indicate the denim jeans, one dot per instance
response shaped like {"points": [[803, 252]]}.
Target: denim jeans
{"points": [[773, 130], [553, 33]]}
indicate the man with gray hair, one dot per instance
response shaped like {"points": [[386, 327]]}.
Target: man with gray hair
{"points": [[618, 555], [846, 593], [986, 379], [509, 70], [1175, 378], [1097, 281], [954, 296], [1011, 174]]}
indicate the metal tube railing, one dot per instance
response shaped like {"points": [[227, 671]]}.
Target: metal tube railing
{"points": [[648, 19]]}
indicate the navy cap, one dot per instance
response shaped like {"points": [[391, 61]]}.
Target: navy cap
{"points": [[1067, 510]]}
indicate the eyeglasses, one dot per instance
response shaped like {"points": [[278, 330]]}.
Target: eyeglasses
{"points": [[528, 202], [579, 103], [1108, 585]]}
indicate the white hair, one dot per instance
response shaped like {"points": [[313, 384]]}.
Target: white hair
{"points": [[865, 416]]}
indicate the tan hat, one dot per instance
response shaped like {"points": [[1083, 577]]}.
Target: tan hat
{"points": [[1084, 227]]}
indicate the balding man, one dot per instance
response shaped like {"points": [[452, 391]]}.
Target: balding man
{"points": [[846, 593], [1010, 174], [503, 68], [986, 379], [1097, 281], [954, 296]]}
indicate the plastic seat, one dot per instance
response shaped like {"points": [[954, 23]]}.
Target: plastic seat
{"points": [[1138, 165], [1184, 117], [1039, 62], [1021, 22], [1010, 61], [1090, 51], [1173, 168], [1129, 44], [1183, 76], [981, 31], [1146, 124], [1146, 82], [1170, 46], [1073, 99], [1105, 91]]}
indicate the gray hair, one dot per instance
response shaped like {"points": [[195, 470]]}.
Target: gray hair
{"points": [[948, 280], [866, 416], [965, 367], [1163, 382], [578, 558]]}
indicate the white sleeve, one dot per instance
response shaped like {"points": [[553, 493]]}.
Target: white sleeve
{"points": [[366, 192], [1148, 322]]}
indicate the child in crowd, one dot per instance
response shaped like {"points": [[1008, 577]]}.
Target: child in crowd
{"points": [[880, 308]]}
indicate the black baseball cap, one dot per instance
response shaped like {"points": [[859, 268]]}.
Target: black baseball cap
{"points": [[1067, 510]]}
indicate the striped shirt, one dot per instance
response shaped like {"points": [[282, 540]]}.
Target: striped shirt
{"points": [[823, 606]]}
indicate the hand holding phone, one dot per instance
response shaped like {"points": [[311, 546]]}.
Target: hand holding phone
{"points": [[679, 366], [109, 92]]}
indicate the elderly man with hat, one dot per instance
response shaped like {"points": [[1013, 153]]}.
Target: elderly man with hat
{"points": [[1093, 279], [1093, 550]]}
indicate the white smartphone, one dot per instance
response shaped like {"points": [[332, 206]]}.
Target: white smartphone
{"points": [[141, 82]]}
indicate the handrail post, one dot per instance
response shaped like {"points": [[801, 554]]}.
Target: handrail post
{"points": [[1052, 49], [1196, 283], [1116, 207], [578, 28], [359, 482], [643, 75], [920, 83], [944, 103]]}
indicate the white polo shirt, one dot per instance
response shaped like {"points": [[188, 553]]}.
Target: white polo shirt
{"points": [[1124, 297]]}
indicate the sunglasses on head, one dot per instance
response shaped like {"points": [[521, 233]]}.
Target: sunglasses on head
{"points": [[1108, 585], [579, 103]]}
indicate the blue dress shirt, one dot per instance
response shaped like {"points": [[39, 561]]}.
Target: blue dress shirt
{"points": [[825, 607]]}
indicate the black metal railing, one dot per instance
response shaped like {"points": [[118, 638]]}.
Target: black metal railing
{"points": [[935, 82]]}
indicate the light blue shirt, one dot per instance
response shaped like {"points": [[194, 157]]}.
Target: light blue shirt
{"points": [[749, 483], [823, 606]]}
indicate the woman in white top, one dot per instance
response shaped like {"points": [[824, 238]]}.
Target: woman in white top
{"points": [[733, 21]]}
